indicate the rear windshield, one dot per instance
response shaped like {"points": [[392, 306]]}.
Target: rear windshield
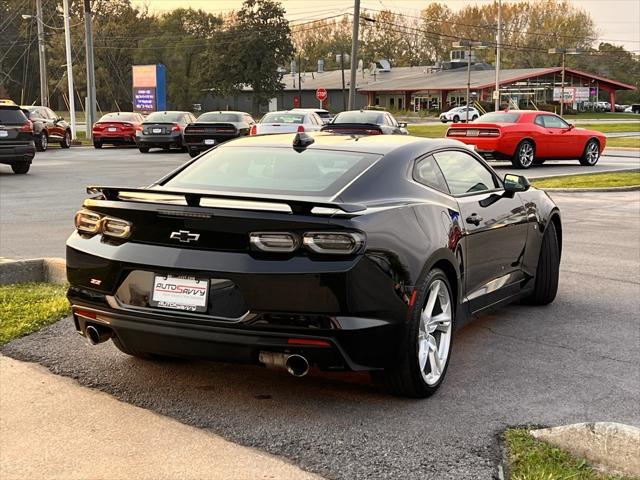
{"points": [[283, 118], [162, 117], [498, 117], [12, 116], [123, 116], [324, 114], [273, 170], [359, 117], [219, 117]]}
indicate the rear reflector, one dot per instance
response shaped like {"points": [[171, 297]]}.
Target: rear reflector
{"points": [[308, 342], [84, 313]]}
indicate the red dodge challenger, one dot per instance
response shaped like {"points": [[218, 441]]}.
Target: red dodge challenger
{"points": [[529, 137]]}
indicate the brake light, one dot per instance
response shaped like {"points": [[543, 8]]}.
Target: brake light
{"points": [[87, 222], [456, 132], [127, 125], [253, 130], [489, 133], [27, 127], [282, 242], [300, 128], [91, 223], [373, 132], [175, 128], [333, 243], [98, 127]]}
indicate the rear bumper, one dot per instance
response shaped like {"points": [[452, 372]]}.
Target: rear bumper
{"points": [[13, 154], [198, 143], [159, 140], [114, 139], [352, 305]]}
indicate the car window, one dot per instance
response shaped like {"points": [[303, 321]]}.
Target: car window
{"points": [[551, 121], [166, 117], [283, 118], [13, 116], [464, 173], [427, 172], [366, 116], [498, 117], [539, 120], [51, 114]]}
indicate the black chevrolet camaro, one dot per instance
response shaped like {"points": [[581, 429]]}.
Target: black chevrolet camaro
{"points": [[298, 250], [212, 128]]}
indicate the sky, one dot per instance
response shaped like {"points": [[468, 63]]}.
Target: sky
{"points": [[617, 21]]}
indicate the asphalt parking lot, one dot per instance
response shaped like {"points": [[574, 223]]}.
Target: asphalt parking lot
{"points": [[575, 360], [38, 208]]}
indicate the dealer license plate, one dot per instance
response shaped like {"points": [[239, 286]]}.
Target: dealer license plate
{"points": [[209, 141], [111, 129], [180, 293], [157, 130], [4, 133]]}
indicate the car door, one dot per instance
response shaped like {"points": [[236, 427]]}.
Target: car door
{"points": [[562, 138], [495, 228], [56, 129]]}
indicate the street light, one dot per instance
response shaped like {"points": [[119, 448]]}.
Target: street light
{"points": [[469, 46], [564, 52]]}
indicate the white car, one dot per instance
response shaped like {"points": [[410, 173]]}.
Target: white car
{"points": [[325, 115], [288, 121], [458, 114]]}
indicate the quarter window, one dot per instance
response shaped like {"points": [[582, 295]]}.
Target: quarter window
{"points": [[464, 173], [428, 173], [551, 121]]}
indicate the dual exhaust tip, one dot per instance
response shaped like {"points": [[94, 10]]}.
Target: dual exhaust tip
{"points": [[96, 334], [296, 365]]}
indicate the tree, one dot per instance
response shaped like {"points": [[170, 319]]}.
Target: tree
{"points": [[257, 42]]}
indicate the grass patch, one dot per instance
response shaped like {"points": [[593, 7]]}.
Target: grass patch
{"points": [[612, 127], [531, 459], [430, 131], [27, 307], [627, 142], [598, 115], [591, 180]]}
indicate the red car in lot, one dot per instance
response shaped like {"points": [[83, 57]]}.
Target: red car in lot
{"points": [[118, 128], [529, 137]]}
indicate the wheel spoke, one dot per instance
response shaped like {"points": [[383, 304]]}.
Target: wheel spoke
{"points": [[440, 322], [431, 302], [434, 360]]}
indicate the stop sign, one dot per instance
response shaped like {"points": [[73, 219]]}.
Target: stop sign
{"points": [[321, 94]]}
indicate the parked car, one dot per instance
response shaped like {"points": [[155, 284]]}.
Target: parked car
{"points": [[459, 114], [17, 147], [325, 115], [303, 250], [635, 108], [48, 127], [163, 130], [287, 122], [117, 128], [212, 128], [529, 137], [365, 122]]}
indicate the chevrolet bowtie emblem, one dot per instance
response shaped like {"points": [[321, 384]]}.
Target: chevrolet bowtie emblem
{"points": [[184, 236]]}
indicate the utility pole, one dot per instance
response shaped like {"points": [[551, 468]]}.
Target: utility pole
{"points": [[344, 93], [44, 94], [469, 46], [498, 42], [299, 81], [354, 53], [67, 41], [564, 52], [90, 105]]}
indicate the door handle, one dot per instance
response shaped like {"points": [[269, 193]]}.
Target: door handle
{"points": [[475, 219]]}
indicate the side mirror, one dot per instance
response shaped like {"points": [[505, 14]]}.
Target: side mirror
{"points": [[571, 126], [515, 183], [402, 124]]}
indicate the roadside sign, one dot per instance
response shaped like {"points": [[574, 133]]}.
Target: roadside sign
{"points": [[496, 94], [321, 94]]}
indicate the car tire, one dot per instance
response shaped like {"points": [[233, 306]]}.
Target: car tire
{"points": [[143, 149], [20, 168], [66, 140], [193, 153], [474, 118], [591, 153], [524, 155], [42, 142], [548, 270], [97, 144], [419, 348], [456, 119]]}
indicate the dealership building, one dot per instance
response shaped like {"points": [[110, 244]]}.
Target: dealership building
{"points": [[434, 89]]}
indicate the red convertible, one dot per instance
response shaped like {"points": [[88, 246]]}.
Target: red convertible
{"points": [[529, 137]]}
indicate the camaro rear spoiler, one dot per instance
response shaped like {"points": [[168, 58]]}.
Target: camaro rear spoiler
{"points": [[350, 126], [226, 200]]}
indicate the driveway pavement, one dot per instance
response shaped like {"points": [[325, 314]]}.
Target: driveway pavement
{"points": [[573, 361]]}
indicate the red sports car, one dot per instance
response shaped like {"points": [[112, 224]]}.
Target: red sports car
{"points": [[529, 137], [117, 128]]}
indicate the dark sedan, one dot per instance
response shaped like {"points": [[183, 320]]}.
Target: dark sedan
{"points": [[212, 128], [48, 127], [298, 250], [365, 122], [163, 130], [17, 148]]}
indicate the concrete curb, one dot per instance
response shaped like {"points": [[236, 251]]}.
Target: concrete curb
{"points": [[611, 447], [52, 270]]}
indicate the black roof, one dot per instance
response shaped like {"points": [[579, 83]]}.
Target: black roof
{"points": [[380, 144]]}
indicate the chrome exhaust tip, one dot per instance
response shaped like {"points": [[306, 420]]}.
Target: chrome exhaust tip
{"points": [[96, 334], [297, 365]]}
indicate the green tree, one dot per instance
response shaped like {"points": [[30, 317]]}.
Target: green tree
{"points": [[256, 43]]}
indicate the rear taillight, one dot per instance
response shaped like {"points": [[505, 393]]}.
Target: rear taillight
{"points": [[456, 132], [373, 132], [127, 125], [282, 242], [91, 223], [175, 128], [489, 133], [27, 127], [300, 128], [333, 243], [253, 130]]}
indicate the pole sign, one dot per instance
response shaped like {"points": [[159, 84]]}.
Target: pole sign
{"points": [[321, 94], [149, 88], [569, 94]]}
